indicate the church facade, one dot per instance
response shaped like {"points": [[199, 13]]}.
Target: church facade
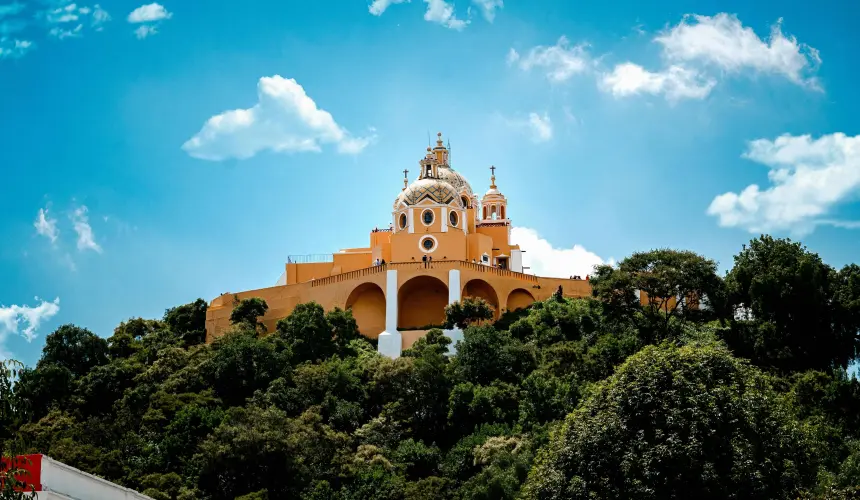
{"points": [[443, 244]]}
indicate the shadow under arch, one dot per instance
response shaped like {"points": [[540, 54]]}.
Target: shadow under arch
{"points": [[480, 288], [421, 301], [519, 299], [367, 302]]}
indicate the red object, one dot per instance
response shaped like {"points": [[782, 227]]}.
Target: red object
{"points": [[31, 464]]}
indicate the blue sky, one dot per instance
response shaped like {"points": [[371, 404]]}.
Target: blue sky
{"points": [[156, 153]]}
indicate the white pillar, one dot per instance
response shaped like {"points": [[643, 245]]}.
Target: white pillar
{"points": [[390, 341], [410, 218], [455, 334], [444, 213]]}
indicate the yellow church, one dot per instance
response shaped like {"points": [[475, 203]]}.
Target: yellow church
{"points": [[443, 244]]}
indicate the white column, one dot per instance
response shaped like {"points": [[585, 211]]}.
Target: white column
{"points": [[410, 220], [444, 212], [455, 334], [390, 341]]}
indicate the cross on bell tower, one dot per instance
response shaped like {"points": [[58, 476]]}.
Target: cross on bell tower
{"points": [[405, 178], [494, 206]]}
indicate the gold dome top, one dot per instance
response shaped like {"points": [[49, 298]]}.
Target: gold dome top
{"points": [[436, 190]]}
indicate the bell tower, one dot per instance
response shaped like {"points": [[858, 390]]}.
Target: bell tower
{"points": [[494, 206]]}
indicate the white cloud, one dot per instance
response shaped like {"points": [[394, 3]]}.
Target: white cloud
{"points": [[75, 17], [46, 226], [560, 61], [14, 48], [144, 30], [723, 41], [100, 16], [67, 14], [378, 6], [61, 33], [86, 238], [285, 119], [149, 13], [808, 177], [442, 12], [545, 260], [13, 317], [488, 8], [675, 82], [541, 127]]}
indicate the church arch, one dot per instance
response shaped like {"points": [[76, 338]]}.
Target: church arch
{"points": [[519, 299], [421, 301], [367, 302], [482, 289]]}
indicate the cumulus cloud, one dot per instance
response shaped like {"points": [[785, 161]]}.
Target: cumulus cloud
{"points": [[285, 119], [378, 6], [808, 178], [724, 42], [149, 13], [442, 12], [543, 259], [675, 82], [560, 61], [149, 17], [81, 224], [488, 8], [13, 317], [46, 226]]}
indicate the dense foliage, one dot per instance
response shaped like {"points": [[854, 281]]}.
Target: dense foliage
{"points": [[737, 389]]}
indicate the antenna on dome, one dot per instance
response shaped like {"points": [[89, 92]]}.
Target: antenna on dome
{"points": [[449, 151]]}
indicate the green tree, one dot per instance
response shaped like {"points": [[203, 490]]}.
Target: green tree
{"points": [[803, 313], [676, 284], [470, 310], [188, 321], [74, 348], [678, 422], [308, 333], [247, 311]]}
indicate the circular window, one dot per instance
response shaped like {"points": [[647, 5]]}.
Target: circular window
{"points": [[427, 244], [427, 217], [402, 221], [452, 217]]}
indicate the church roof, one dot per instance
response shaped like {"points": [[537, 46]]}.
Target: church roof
{"points": [[456, 179], [435, 190]]}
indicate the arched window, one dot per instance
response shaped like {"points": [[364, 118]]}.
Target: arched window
{"points": [[465, 201], [502, 208]]}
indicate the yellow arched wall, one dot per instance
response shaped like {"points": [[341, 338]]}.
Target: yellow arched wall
{"points": [[482, 289], [421, 301], [367, 303], [519, 299]]}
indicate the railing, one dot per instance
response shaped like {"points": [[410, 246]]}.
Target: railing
{"points": [[307, 259], [350, 275], [441, 264]]}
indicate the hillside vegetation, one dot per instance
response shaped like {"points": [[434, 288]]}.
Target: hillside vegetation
{"points": [[747, 397]]}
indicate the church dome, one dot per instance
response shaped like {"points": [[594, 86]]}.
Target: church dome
{"points": [[455, 179], [436, 190]]}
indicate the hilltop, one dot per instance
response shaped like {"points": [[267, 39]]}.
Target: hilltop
{"points": [[743, 394]]}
